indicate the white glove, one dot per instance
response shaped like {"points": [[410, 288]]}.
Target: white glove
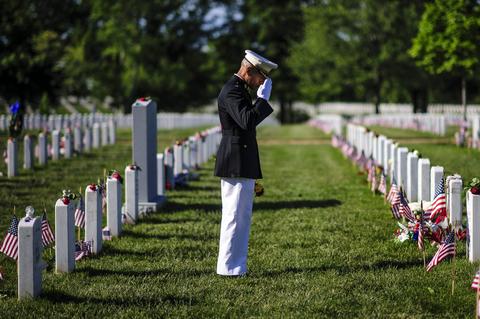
{"points": [[265, 89]]}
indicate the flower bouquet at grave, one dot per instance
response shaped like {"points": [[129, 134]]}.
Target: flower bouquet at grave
{"points": [[68, 196], [113, 173], [473, 186], [134, 167], [16, 120], [259, 190]]}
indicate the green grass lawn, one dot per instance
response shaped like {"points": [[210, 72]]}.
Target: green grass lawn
{"points": [[405, 134], [321, 246]]}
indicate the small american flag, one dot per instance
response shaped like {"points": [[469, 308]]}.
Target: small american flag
{"points": [[82, 249], [396, 205], [421, 244], [438, 208], [382, 187], [80, 214], [476, 281], [47, 235], [447, 249], [10, 243], [461, 233], [393, 191], [405, 209]]}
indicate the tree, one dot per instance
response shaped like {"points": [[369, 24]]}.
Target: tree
{"points": [[448, 40], [354, 50], [32, 37], [266, 27]]}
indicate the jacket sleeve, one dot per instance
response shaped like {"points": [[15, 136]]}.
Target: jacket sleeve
{"points": [[238, 107]]}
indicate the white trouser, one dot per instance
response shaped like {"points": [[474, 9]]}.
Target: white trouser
{"points": [[237, 202]]}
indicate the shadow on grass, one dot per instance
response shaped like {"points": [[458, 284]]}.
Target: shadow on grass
{"points": [[130, 233], [343, 269], [191, 187], [95, 272], [185, 251], [156, 219], [61, 297], [173, 207]]}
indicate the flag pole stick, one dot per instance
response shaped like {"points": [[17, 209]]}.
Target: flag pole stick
{"points": [[477, 314], [79, 235], [49, 251], [454, 262]]}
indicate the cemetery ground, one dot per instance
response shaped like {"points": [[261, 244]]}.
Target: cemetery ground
{"points": [[321, 243]]}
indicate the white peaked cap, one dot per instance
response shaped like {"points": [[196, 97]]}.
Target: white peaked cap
{"points": [[264, 65]]}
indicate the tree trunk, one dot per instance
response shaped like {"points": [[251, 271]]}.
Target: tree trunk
{"points": [[464, 98], [419, 99], [378, 93]]}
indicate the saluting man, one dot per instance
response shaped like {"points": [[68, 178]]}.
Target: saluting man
{"points": [[238, 162]]}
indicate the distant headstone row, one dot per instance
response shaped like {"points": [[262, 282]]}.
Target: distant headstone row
{"points": [[59, 122], [354, 108], [432, 123], [145, 184], [63, 143], [423, 184], [328, 123]]}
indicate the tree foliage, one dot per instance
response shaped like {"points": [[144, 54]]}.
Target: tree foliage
{"points": [[448, 39]]}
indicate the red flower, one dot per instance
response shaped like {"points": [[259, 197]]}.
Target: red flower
{"points": [[66, 200], [475, 190], [92, 187]]}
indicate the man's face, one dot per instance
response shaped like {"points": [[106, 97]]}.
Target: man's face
{"points": [[255, 78]]}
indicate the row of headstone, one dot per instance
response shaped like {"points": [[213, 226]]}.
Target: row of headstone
{"points": [[433, 123], [328, 123], [159, 171], [59, 122], [420, 180], [82, 140], [137, 189]]}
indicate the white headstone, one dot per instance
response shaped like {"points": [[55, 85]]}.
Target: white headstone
{"points": [[412, 177], [55, 145], [93, 218], [114, 206], [436, 177], [68, 144], [96, 135], [454, 199], [27, 152], [473, 216], [42, 149], [112, 132], [177, 159], [30, 263], [387, 155], [77, 139], [186, 155], [64, 237], [402, 166], [144, 152], [393, 157], [424, 179], [160, 175], [169, 175], [87, 139], [12, 157], [131, 195], [105, 132], [199, 150]]}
